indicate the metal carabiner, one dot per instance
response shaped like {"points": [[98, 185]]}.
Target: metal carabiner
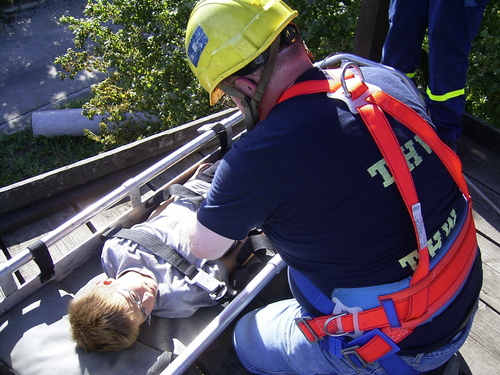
{"points": [[358, 72]]}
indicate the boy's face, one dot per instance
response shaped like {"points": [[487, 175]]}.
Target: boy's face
{"points": [[140, 292]]}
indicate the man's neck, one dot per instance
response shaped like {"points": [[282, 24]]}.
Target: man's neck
{"points": [[283, 78]]}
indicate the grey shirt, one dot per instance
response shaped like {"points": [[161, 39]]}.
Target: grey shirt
{"points": [[176, 297]]}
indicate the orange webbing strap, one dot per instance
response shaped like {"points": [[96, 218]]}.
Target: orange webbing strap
{"points": [[399, 168], [429, 291], [442, 283], [420, 127], [313, 87], [445, 284], [381, 131], [304, 88]]}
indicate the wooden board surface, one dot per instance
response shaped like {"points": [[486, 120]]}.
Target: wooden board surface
{"points": [[482, 167]]}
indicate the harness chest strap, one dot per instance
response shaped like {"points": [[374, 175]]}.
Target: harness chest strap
{"points": [[402, 311]]}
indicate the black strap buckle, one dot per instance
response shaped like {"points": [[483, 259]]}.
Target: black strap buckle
{"points": [[43, 259]]}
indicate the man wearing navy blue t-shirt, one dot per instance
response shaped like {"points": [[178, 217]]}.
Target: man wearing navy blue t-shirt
{"points": [[309, 174]]}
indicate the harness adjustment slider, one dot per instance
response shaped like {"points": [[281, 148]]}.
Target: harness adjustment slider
{"points": [[353, 357], [306, 329]]}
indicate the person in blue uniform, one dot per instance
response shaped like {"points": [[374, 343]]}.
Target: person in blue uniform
{"points": [[452, 25]]}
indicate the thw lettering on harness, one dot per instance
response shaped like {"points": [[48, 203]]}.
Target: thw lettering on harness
{"points": [[412, 156]]}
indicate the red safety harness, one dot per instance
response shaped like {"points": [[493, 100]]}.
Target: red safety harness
{"points": [[430, 289]]}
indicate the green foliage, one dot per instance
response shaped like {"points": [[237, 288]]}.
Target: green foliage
{"points": [[483, 91], [23, 156], [140, 45], [327, 26], [76, 103]]}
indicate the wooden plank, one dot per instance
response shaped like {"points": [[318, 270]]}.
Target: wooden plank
{"points": [[54, 182], [485, 229], [490, 252], [481, 132], [481, 165], [479, 162], [7, 283], [489, 291], [91, 190], [371, 29], [102, 219], [179, 168], [486, 207], [481, 350], [17, 240]]}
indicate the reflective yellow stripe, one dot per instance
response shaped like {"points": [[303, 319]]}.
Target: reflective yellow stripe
{"points": [[444, 97]]}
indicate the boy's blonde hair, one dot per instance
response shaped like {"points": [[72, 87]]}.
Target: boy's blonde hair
{"points": [[101, 319]]}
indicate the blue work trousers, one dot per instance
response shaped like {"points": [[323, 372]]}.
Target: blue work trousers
{"points": [[451, 25]]}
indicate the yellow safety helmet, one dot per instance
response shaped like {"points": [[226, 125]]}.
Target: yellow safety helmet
{"points": [[224, 36]]}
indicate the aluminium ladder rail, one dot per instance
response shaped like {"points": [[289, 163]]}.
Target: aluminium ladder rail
{"points": [[129, 187], [221, 321]]}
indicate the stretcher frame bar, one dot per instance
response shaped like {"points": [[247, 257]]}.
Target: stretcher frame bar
{"points": [[128, 188], [221, 321]]}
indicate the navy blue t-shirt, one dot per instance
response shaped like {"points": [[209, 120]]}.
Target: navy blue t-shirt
{"points": [[311, 176]]}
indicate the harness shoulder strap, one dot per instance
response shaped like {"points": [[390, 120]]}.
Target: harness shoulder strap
{"points": [[331, 84], [400, 312]]}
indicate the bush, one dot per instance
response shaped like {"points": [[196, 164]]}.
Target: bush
{"points": [[140, 44], [327, 26], [483, 91]]}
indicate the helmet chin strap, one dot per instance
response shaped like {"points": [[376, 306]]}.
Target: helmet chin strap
{"points": [[250, 104]]}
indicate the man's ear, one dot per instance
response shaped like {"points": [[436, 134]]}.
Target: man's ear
{"points": [[148, 298], [245, 85]]}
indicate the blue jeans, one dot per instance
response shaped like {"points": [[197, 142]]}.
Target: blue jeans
{"points": [[267, 341]]}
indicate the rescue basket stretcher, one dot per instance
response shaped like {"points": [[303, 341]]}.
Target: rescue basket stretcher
{"points": [[47, 284], [28, 311]]}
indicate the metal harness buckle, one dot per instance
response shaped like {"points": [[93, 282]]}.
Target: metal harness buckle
{"points": [[303, 325], [339, 326], [351, 351]]}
